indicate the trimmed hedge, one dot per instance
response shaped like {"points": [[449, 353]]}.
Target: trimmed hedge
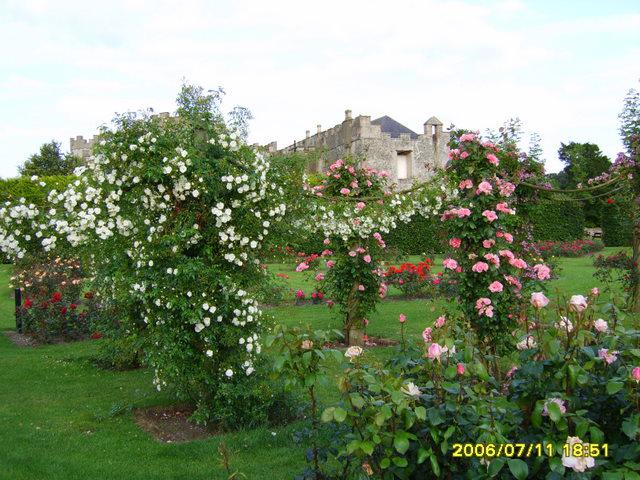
{"points": [[12, 189], [617, 223], [419, 236], [558, 218]]}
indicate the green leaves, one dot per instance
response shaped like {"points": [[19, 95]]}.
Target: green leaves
{"points": [[401, 441], [518, 468], [614, 386], [554, 411]]}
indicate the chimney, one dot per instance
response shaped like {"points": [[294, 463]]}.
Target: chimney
{"points": [[347, 115], [308, 134], [319, 128]]}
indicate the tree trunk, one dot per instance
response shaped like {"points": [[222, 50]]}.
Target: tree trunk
{"points": [[353, 334]]}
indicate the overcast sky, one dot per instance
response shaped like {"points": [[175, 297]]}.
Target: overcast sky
{"points": [[563, 67]]}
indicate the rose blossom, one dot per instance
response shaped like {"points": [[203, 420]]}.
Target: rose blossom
{"points": [[426, 335], [367, 258], [460, 369], [595, 291], [434, 351], [577, 303], [507, 188], [542, 271], [484, 187], [600, 325], [492, 258], [306, 344], [345, 191], [506, 253], [464, 155], [493, 160], [440, 321], [326, 241], [302, 266], [353, 253], [528, 342], [319, 277], [330, 264], [511, 371], [578, 464], [361, 288], [635, 374], [504, 208], [468, 137], [480, 267], [539, 300], [495, 287], [490, 215], [402, 318], [455, 242], [353, 352], [450, 263], [360, 205], [607, 356], [488, 243], [411, 389], [557, 401], [517, 263], [464, 184], [564, 324]]}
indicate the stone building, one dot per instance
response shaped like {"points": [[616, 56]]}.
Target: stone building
{"points": [[383, 144], [81, 147]]}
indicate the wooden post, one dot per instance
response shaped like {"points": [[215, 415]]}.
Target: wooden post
{"points": [[18, 299]]}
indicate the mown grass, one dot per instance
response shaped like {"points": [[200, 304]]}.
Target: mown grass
{"points": [[55, 406]]}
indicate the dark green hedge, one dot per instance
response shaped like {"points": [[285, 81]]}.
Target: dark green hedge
{"points": [[420, 236], [557, 218], [617, 224], [12, 189]]}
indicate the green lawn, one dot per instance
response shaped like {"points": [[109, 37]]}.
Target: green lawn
{"points": [[54, 404]]}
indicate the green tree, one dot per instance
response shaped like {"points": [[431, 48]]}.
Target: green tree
{"points": [[49, 161], [583, 161], [630, 119]]}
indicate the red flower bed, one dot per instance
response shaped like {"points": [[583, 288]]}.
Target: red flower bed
{"points": [[575, 248], [411, 279]]}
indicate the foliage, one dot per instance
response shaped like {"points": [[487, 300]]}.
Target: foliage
{"points": [[412, 279], [12, 189], [617, 220], [557, 219], [422, 235], [583, 161], [617, 269], [575, 248], [630, 120], [49, 161]]}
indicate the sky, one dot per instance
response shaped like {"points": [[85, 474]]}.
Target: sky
{"points": [[563, 67]]}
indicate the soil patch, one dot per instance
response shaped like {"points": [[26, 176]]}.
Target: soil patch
{"points": [[370, 343], [20, 339], [171, 424]]}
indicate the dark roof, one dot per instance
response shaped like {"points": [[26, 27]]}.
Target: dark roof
{"points": [[389, 125]]}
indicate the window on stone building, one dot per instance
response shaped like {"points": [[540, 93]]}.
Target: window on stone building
{"points": [[403, 164]]}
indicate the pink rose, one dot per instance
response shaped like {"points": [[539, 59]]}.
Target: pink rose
{"points": [[463, 212], [382, 290], [353, 253], [402, 318], [426, 335], [511, 371], [434, 351], [440, 321], [360, 205], [460, 369], [504, 208], [558, 402], [595, 291], [367, 258], [506, 189], [455, 242], [326, 253], [490, 215], [330, 264], [508, 237], [360, 250], [464, 155], [302, 266], [488, 243], [480, 267], [539, 300], [464, 184], [493, 258], [326, 241], [495, 287], [506, 253], [600, 325], [345, 191], [517, 263], [468, 137], [635, 374], [578, 303], [607, 356], [493, 160], [484, 187], [320, 277], [450, 263], [542, 271], [361, 288]]}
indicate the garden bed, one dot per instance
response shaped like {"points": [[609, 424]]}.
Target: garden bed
{"points": [[171, 424]]}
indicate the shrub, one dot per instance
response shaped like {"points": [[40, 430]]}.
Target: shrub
{"points": [[419, 236], [617, 222], [557, 219], [33, 191], [411, 279]]}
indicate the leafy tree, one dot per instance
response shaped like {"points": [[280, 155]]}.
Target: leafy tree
{"points": [[50, 161], [630, 119], [583, 161]]}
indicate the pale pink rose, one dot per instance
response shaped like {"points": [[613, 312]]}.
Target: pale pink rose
{"points": [[542, 271], [517, 263], [511, 371], [504, 208], [326, 253], [557, 401], [635, 374], [564, 324], [361, 288], [508, 237], [326, 241], [600, 325], [539, 300], [351, 169], [434, 351], [492, 258], [382, 290], [306, 344], [488, 243], [506, 189], [484, 187], [354, 184], [463, 212], [464, 155], [353, 253], [330, 264], [468, 137], [302, 266], [360, 250], [453, 153], [345, 191], [495, 287], [360, 205], [455, 242], [578, 464], [578, 303], [464, 184], [460, 369], [402, 318], [493, 160], [484, 307], [320, 277], [367, 258], [480, 267], [450, 263], [426, 335], [488, 312], [527, 343], [440, 321], [607, 356], [506, 253], [595, 291], [490, 215], [513, 281]]}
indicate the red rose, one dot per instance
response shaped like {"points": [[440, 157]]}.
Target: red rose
{"points": [[27, 303], [610, 200], [88, 295], [96, 335], [73, 306], [63, 310], [57, 296]]}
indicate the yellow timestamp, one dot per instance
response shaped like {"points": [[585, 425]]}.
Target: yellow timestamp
{"points": [[518, 450]]}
